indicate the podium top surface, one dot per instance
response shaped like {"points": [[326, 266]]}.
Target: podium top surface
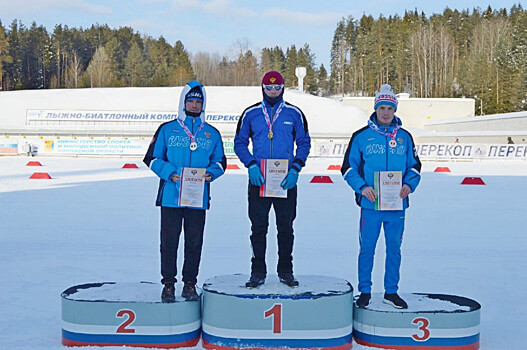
{"points": [[423, 302], [310, 287], [119, 292]]}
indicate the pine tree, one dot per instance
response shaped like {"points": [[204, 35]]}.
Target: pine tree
{"points": [[13, 69], [180, 65], [290, 66], [322, 81], [4, 56], [133, 65], [306, 58]]}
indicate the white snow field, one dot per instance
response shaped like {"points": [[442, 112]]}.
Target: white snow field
{"points": [[96, 222]]}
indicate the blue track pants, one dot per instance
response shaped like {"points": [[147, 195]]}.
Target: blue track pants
{"points": [[370, 228]]}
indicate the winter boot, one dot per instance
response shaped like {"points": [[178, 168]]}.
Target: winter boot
{"points": [[288, 279], [189, 292], [364, 300], [255, 281], [395, 300], [168, 293]]}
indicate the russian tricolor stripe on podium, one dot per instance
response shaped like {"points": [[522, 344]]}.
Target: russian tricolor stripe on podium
{"points": [[223, 343], [137, 340]]}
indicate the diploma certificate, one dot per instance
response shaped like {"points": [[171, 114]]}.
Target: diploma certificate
{"points": [[192, 187], [388, 186], [274, 172]]}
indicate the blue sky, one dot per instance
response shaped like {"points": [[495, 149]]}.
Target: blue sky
{"points": [[216, 26]]}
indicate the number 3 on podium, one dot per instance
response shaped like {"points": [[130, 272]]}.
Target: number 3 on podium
{"points": [[423, 324]]}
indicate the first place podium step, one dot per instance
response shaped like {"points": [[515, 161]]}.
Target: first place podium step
{"points": [[316, 314]]}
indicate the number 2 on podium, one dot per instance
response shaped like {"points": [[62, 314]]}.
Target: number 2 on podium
{"points": [[129, 316], [276, 313]]}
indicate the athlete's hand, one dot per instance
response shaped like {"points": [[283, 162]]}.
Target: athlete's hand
{"points": [[369, 193], [290, 180], [405, 191], [255, 175]]}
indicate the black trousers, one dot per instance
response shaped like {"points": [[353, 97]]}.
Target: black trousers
{"points": [[193, 223], [285, 213]]}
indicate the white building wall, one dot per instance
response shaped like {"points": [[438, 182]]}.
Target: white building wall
{"points": [[497, 122], [415, 112]]}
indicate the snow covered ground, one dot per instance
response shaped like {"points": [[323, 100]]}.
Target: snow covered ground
{"points": [[96, 222]]}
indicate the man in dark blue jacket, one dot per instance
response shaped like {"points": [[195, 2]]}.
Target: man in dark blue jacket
{"points": [[273, 126], [187, 142], [381, 146]]}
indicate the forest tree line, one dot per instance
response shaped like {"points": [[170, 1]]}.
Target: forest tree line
{"points": [[479, 53], [32, 58]]}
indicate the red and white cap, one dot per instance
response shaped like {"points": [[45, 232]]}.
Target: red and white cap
{"points": [[385, 97]]}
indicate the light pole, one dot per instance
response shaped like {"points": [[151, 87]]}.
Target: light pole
{"points": [[480, 104]]}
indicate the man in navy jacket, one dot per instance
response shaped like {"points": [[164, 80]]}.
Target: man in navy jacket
{"points": [[382, 145], [273, 126], [187, 142]]}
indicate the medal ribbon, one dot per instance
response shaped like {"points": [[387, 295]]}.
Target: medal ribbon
{"points": [[266, 115], [376, 128], [192, 137]]}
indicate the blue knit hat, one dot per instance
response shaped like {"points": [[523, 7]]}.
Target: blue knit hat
{"points": [[385, 97], [194, 94]]}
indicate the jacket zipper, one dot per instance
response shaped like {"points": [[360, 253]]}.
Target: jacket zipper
{"points": [[190, 156], [272, 116], [387, 145]]}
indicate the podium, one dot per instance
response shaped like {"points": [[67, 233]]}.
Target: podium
{"points": [[316, 314], [432, 321], [320, 313], [127, 314]]}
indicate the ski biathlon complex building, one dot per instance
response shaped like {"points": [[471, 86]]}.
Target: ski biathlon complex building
{"points": [[122, 121]]}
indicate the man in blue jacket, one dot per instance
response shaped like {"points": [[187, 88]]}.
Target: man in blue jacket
{"points": [[273, 126], [187, 142], [381, 146]]}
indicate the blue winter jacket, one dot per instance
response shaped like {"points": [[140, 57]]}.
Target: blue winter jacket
{"points": [[289, 128], [170, 151], [368, 151]]}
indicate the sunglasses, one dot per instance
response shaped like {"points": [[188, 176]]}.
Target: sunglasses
{"points": [[273, 87]]}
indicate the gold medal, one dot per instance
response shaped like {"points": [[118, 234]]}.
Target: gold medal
{"points": [[270, 135]]}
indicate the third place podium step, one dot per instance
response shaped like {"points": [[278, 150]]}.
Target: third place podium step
{"points": [[431, 322]]}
